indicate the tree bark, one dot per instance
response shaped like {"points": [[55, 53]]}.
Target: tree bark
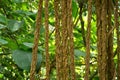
{"points": [[110, 55], [65, 40], [36, 39], [101, 37], [58, 50], [71, 40], [87, 58], [47, 40]]}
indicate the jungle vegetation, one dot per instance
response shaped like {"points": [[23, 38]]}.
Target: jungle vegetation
{"points": [[59, 40]]}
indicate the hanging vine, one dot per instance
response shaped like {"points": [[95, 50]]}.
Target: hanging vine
{"points": [[58, 50], [36, 39], [110, 55], [64, 39], [101, 11], [103, 40], [70, 38], [87, 59], [47, 40]]}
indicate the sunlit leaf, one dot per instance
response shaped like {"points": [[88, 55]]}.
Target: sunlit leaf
{"points": [[74, 8], [1, 75], [2, 26], [30, 45]]}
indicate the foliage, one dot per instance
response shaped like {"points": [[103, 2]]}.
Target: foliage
{"points": [[23, 59], [17, 23]]}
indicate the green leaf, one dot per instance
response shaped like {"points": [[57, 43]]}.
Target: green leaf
{"points": [[3, 19], [18, 1], [2, 42], [79, 53], [30, 45], [2, 26], [27, 13], [1, 76], [23, 59], [14, 25], [74, 8], [12, 44], [40, 48]]}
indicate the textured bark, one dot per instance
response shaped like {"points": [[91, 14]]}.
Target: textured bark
{"points": [[58, 52], [47, 41], [101, 37], [65, 40], [110, 55], [103, 40], [87, 58], [71, 41], [118, 38], [36, 39], [98, 15]]}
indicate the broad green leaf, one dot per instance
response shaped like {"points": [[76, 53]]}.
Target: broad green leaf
{"points": [[74, 8], [40, 48], [1, 75], [18, 1], [79, 53], [2, 41], [14, 25], [28, 13], [30, 45], [24, 5], [3, 19], [23, 59], [2, 26]]}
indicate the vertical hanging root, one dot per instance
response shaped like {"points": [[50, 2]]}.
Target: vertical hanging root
{"points": [[101, 11], [70, 39], [64, 40], [36, 39], [110, 55], [87, 58], [58, 40], [47, 40]]}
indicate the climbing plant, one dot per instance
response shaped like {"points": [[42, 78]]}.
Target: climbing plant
{"points": [[59, 39]]}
